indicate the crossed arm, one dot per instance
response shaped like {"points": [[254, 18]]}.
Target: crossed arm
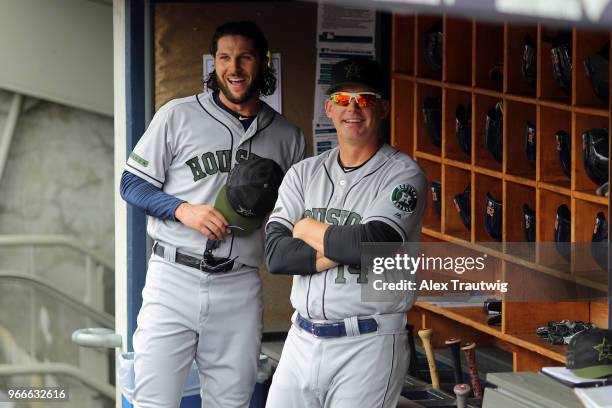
{"points": [[312, 232], [314, 246]]}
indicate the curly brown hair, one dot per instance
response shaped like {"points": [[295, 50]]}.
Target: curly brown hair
{"points": [[266, 82]]}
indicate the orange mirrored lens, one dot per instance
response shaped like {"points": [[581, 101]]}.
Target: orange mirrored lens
{"points": [[363, 100], [341, 99]]}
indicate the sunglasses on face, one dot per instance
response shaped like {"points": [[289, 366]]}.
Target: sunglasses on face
{"points": [[363, 99]]}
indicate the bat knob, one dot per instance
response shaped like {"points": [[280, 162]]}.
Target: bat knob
{"points": [[461, 392], [425, 333]]}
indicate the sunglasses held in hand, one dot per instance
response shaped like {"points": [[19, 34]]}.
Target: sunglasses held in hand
{"points": [[363, 99]]}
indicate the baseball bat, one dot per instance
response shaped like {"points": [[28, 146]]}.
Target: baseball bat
{"points": [[455, 347], [469, 349], [461, 392], [413, 368], [425, 335]]}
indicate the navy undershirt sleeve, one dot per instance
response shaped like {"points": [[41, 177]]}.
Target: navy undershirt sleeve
{"points": [[287, 255], [342, 243], [144, 195]]}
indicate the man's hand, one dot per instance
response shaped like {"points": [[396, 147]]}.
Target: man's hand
{"points": [[312, 232], [323, 263], [203, 218]]}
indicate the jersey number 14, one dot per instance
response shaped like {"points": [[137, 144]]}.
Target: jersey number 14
{"points": [[362, 274]]}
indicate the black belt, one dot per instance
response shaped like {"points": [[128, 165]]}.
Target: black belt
{"points": [[336, 329], [192, 262]]}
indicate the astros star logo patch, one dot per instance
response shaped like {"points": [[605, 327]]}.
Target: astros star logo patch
{"points": [[404, 197], [245, 212], [352, 70], [604, 349]]}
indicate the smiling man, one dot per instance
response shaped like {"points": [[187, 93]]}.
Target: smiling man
{"points": [[202, 297], [341, 352]]}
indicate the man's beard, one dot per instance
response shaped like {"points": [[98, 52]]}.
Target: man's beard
{"points": [[251, 90]]}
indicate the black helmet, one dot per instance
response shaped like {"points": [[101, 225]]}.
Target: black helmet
{"points": [[530, 144], [599, 246], [595, 154], [529, 60], [564, 147], [432, 47], [563, 231], [529, 223], [597, 68], [561, 55], [493, 217], [494, 131], [463, 128], [432, 118], [436, 196], [464, 207]]}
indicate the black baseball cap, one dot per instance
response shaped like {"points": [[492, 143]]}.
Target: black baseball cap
{"points": [[589, 354], [357, 71], [250, 193]]}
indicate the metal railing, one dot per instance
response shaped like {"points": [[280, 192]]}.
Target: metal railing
{"points": [[85, 301], [96, 264], [35, 333], [97, 317]]}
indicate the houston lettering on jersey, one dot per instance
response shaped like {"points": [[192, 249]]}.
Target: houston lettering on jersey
{"points": [[211, 163], [333, 216]]}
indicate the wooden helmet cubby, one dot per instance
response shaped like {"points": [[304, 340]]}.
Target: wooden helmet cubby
{"points": [[481, 68]]}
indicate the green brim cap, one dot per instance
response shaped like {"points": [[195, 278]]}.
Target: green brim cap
{"points": [[589, 353], [594, 371], [248, 224]]}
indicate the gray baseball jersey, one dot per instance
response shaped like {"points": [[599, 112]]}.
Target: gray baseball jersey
{"points": [[390, 187], [178, 154]]}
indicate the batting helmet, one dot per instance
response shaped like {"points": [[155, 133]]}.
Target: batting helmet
{"points": [[561, 55], [529, 223], [463, 128], [436, 196], [432, 118], [530, 144], [597, 68], [432, 47], [564, 147], [562, 231], [595, 154], [494, 135], [493, 218], [496, 72], [463, 205], [599, 246], [603, 190], [529, 61]]}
